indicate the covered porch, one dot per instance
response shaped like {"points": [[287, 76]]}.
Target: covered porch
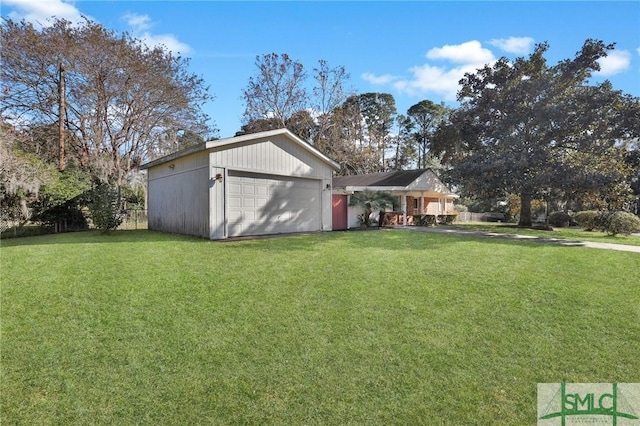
{"points": [[419, 192]]}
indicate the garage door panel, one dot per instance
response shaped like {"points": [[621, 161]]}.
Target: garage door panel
{"points": [[271, 205], [235, 202]]}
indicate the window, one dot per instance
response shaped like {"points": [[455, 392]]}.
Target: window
{"points": [[415, 203]]}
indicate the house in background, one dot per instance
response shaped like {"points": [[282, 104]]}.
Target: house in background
{"points": [[263, 183], [418, 191]]}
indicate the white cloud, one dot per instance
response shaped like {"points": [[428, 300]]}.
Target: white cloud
{"points": [[41, 12], [517, 45], [380, 79], [614, 63], [432, 79], [638, 50], [440, 80], [470, 52], [167, 40], [140, 24]]}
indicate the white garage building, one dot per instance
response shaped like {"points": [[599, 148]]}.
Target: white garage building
{"points": [[263, 183]]}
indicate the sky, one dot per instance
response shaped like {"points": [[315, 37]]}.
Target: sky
{"points": [[414, 50]]}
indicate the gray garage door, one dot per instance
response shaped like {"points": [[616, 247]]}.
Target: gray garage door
{"points": [[263, 204]]}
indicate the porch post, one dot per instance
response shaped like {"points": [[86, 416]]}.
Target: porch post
{"points": [[404, 209], [348, 201], [422, 203]]}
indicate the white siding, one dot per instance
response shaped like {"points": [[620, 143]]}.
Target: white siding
{"points": [[178, 196], [185, 197], [277, 155], [217, 196]]}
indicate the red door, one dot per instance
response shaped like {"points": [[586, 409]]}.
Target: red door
{"points": [[339, 212]]}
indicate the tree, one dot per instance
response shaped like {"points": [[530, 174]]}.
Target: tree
{"points": [[426, 117], [529, 127], [378, 111], [22, 176], [328, 94], [104, 207], [371, 201], [404, 152], [115, 107], [345, 141], [277, 91]]}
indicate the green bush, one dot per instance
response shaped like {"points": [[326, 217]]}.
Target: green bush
{"points": [[559, 219], [63, 218], [424, 219], [614, 223], [104, 208], [447, 219], [588, 220]]}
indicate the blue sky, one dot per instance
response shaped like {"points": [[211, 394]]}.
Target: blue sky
{"points": [[413, 50]]}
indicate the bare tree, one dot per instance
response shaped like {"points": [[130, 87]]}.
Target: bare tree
{"points": [[278, 90], [328, 94], [117, 105]]}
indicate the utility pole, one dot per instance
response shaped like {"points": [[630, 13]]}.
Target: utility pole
{"points": [[62, 112]]}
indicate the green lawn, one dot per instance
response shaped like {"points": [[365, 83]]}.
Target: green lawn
{"points": [[572, 233], [383, 327]]}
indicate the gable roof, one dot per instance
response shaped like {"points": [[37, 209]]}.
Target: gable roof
{"points": [[239, 140], [396, 178], [402, 180]]}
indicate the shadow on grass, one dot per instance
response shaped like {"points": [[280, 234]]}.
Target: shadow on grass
{"points": [[96, 237]]}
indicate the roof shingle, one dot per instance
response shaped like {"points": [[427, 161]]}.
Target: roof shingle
{"points": [[396, 178]]}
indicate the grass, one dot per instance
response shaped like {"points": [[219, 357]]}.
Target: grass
{"points": [[382, 327], [572, 233]]}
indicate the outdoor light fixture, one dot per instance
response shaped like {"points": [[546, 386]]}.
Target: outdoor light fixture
{"points": [[172, 166], [328, 186], [219, 177]]}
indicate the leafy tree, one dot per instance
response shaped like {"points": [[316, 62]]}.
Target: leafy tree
{"points": [[426, 116], [277, 91], [530, 127], [60, 201], [404, 152], [22, 175], [346, 143], [378, 111], [119, 103], [371, 201]]}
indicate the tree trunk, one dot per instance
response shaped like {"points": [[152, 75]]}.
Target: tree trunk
{"points": [[62, 110], [525, 210]]}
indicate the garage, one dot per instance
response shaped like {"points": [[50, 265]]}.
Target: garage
{"points": [[262, 204], [263, 183]]}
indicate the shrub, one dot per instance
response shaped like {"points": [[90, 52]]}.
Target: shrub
{"points": [[63, 218], [447, 219], [559, 219], [424, 219], [588, 220], [614, 223], [104, 208]]}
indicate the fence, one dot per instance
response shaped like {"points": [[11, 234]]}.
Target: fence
{"points": [[480, 217], [470, 217], [133, 219]]}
